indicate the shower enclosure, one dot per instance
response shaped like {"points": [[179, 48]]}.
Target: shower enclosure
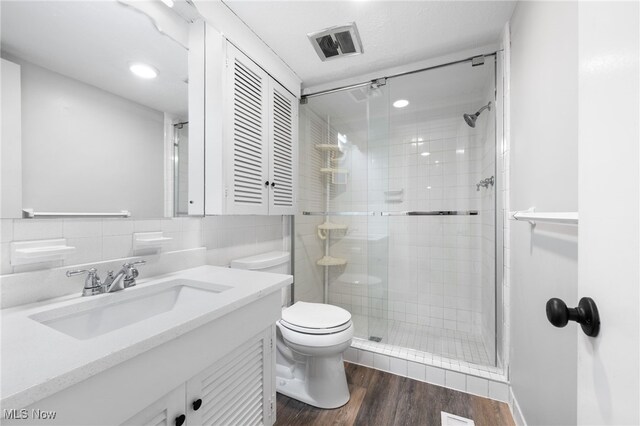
{"points": [[397, 211]]}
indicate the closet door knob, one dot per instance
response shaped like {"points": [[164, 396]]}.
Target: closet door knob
{"points": [[180, 419], [273, 184], [585, 314], [197, 404], [266, 183]]}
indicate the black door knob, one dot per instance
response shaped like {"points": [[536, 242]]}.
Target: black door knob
{"points": [[266, 183], [585, 314], [196, 404], [273, 184], [180, 419]]}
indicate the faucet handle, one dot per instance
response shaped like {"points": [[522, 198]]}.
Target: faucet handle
{"points": [[92, 284], [132, 272], [73, 273]]}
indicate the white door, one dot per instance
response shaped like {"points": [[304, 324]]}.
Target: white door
{"points": [[167, 411], [609, 202], [246, 137], [283, 150]]}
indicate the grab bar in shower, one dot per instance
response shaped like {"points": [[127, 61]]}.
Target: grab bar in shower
{"points": [[338, 213], [31, 214], [531, 216], [433, 213]]}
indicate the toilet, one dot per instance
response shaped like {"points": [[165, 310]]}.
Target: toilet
{"points": [[311, 338]]}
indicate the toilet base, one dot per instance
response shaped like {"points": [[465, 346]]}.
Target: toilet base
{"points": [[322, 385]]}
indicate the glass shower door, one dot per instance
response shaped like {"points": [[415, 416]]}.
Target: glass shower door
{"points": [[341, 247]]}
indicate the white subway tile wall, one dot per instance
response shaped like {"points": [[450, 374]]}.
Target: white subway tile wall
{"points": [[225, 237], [429, 277]]}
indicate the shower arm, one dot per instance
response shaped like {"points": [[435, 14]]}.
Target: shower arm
{"points": [[487, 106]]}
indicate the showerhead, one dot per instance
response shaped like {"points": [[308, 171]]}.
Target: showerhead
{"points": [[470, 119]]}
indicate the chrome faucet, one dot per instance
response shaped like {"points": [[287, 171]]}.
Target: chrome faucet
{"points": [[125, 278], [485, 183]]}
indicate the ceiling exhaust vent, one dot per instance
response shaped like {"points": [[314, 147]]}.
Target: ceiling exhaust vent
{"points": [[336, 42]]}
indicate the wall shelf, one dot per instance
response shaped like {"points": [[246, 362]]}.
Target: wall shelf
{"points": [[26, 252], [149, 240]]}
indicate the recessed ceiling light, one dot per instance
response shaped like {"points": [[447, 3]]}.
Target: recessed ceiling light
{"points": [[424, 154], [143, 70], [437, 161], [168, 2], [400, 103], [428, 187], [459, 151]]}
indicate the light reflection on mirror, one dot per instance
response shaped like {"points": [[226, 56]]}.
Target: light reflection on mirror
{"points": [[81, 132]]}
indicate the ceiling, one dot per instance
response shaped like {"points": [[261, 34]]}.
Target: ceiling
{"points": [[392, 32], [95, 42]]}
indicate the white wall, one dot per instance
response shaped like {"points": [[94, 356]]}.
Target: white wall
{"points": [[87, 150], [544, 174], [11, 149]]}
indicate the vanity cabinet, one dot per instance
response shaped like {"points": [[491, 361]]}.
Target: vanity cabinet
{"points": [[227, 364], [230, 391], [251, 154]]}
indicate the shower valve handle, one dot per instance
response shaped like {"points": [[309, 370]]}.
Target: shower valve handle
{"points": [[585, 314]]}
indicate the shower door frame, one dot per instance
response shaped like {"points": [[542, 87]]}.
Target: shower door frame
{"points": [[501, 356]]}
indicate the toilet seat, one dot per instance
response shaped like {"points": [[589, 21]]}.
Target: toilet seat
{"points": [[315, 318], [306, 330]]}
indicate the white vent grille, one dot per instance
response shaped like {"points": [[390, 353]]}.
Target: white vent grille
{"points": [[282, 150], [248, 135], [233, 393]]}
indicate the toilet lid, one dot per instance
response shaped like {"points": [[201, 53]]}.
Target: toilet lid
{"points": [[315, 316]]}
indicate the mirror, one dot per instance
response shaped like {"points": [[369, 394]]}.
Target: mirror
{"points": [[81, 131]]}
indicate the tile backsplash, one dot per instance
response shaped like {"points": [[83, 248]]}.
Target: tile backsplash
{"points": [[105, 241]]}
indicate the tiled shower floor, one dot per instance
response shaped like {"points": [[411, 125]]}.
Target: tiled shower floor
{"points": [[401, 336]]}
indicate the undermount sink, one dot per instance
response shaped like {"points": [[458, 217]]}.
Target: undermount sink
{"points": [[89, 319]]}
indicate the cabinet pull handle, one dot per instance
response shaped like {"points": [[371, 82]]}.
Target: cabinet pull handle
{"points": [[273, 184], [197, 404], [180, 419], [266, 183]]}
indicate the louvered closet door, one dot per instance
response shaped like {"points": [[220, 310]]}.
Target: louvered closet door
{"points": [[283, 146], [246, 137], [236, 390]]}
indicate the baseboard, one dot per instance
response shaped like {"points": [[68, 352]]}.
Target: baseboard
{"points": [[516, 412]]}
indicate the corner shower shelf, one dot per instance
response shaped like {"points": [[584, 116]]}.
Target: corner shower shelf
{"points": [[26, 252], [331, 261], [331, 170], [327, 147], [328, 226]]}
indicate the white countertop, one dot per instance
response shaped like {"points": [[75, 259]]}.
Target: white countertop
{"points": [[38, 361]]}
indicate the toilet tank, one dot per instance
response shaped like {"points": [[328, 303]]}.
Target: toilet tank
{"points": [[273, 261]]}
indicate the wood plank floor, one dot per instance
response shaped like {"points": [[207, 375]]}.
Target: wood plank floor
{"points": [[379, 398]]}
